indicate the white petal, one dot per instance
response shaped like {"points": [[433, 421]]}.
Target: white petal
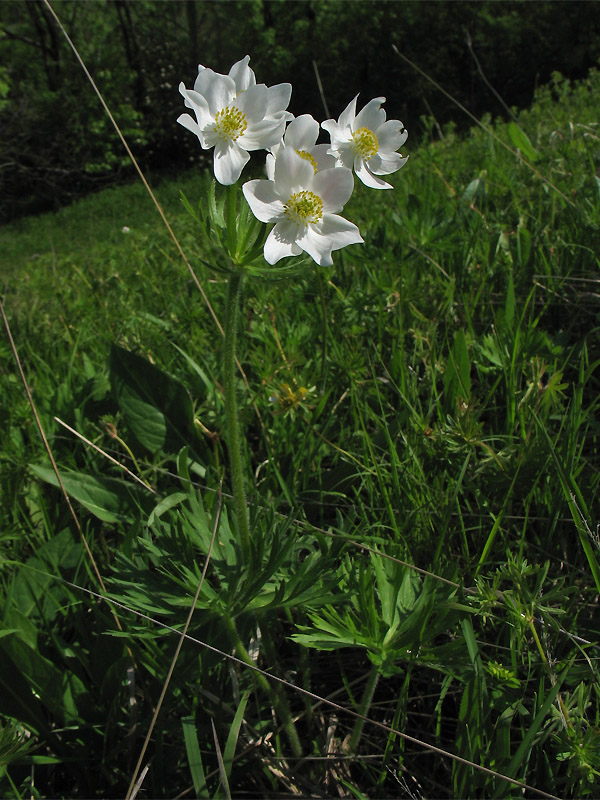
{"points": [[339, 230], [386, 163], [253, 102], [279, 97], [372, 116], [189, 95], [270, 166], [194, 127], [261, 135], [363, 173], [390, 136], [292, 173], [198, 104], [334, 187], [191, 125], [331, 233], [281, 242], [333, 129], [281, 118], [200, 108], [229, 161], [242, 75], [343, 152], [218, 90], [263, 200], [316, 246], [347, 116], [320, 152], [301, 134]]}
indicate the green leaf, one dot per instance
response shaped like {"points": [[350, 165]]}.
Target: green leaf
{"points": [[523, 245], [509, 304], [165, 504], [234, 733], [157, 407], [521, 141], [57, 688], [194, 756], [109, 499], [457, 376], [476, 189]]}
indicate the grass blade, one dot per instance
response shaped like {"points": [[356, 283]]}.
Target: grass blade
{"points": [[194, 755]]}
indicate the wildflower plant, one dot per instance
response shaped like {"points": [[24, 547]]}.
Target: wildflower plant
{"points": [[306, 188], [294, 211]]}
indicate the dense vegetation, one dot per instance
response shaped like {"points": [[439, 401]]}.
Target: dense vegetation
{"points": [[424, 515], [55, 144]]}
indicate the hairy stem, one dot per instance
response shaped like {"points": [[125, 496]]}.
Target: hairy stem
{"points": [[231, 412]]}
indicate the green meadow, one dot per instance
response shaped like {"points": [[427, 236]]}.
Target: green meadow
{"points": [[418, 615]]}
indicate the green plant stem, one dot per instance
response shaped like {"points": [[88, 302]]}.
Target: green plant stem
{"points": [[278, 696], [275, 691], [323, 331], [231, 412], [365, 705], [243, 654]]}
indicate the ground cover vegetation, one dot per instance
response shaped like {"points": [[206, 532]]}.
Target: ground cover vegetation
{"points": [[54, 146], [421, 463]]}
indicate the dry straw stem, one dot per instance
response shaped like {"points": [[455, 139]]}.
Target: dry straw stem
{"points": [[105, 454]]}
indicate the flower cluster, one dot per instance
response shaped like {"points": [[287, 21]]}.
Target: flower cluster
{"points": [[307, 183]]}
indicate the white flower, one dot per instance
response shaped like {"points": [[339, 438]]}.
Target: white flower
{"points": [[234, 115], [302, 204], [301, 134], [367, 142]]}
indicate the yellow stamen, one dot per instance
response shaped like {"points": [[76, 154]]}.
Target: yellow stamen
{"points": [[304, 207], [288, 399], [230, 123], [364, 142]]}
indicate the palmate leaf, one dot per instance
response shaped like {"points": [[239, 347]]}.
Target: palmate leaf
{"points": [[283, 571], [400, 619]]}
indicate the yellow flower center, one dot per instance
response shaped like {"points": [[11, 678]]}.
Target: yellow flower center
{"points": [[364, 142], [230, 123], [288, 399], [307, 157], [304, 207]]}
